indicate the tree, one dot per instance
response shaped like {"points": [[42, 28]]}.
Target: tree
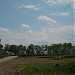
{"points": [[24, 48], [2, 53], [37, 48], [73, 48], [7, 47], [69, 48], [64, 48], [59, 47], [30, 49], [15, 49], [20, 47], [46, 47], [49, 50], [69, 45], [1, 47]]}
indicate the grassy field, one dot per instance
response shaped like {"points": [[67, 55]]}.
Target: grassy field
{"points": [[47, 65]]}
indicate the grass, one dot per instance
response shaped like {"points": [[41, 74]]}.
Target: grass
{"points": [[48, 69], [56, 65]]}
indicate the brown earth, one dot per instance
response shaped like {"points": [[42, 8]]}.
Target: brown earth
{"points": [[6, 68]]}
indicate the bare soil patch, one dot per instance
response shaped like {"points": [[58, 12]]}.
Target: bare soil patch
{"points": [[6, 68]]}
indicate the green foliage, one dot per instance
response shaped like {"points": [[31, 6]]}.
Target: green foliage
{"points": [[71, 67], [65, 48], [68, 68], [48, 69], [1, 47], [59, 58]]}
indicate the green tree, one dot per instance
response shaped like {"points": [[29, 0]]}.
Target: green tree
{"points": [[7, 47], [49, 49], [1, 47], [15, 49], [37, 48], [30, 49], [69, 48], [2, 54], [24, 48]]}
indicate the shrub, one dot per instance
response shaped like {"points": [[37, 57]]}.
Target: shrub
{"points": [[58, 58], [71, 67]]}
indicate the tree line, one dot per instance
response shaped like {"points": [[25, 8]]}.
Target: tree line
{"points": [[60, 48]]}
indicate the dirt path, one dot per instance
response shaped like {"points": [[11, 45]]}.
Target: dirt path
{"points": [[7, 59], [5, 65]]}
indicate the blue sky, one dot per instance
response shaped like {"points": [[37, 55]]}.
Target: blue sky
{"points": [[36, 21]]}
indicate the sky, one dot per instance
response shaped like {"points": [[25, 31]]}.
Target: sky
{"points": [[37, 21]]}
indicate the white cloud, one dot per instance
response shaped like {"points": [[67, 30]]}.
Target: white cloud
{"points": [[73, 4], [25, 26], [47, 19], [3, 29], [33, 7], [62, 2], [44, 36], [56, 35], [60, 14]]}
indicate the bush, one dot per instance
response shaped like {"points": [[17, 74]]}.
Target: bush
{"points": [[58, 58], [71, 67]]}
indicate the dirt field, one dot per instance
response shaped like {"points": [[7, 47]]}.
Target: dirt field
{"points": [[6, 68]]}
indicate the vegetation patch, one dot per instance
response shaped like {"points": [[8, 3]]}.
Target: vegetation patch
{"points": [[69, 56], [48, 69], [57, 57], [42, 56]]}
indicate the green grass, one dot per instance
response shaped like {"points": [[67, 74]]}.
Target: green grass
{"points": [[57, 65], [48, 69]]}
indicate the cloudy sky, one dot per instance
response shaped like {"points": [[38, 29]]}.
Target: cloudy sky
{"points": [[36, 21]]}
